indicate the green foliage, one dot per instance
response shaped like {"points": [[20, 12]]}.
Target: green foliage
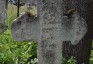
{"points": [[70, 61], [12, 52]]}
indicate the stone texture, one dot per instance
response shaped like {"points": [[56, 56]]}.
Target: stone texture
{"points": [[74, 28], [49, 29], [25, 28], [82, 50], [50, 44], [2, 16]]}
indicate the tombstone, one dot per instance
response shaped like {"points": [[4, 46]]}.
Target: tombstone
{"points": [[2, 16], [50, 29], [50, 44], [26, 28], [49, 26]]}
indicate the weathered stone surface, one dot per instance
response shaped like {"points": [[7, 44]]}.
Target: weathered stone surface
{"points": [[50, 44], [82, 50], [2, 16], [74, 28], [25, 28], [53, 29]]}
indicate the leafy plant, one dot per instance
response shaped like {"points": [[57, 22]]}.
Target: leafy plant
{"points": [[12, 52], [70, 61]]}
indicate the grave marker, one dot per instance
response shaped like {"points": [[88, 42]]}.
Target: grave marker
{"points": [[50, 44], [2, 16], [46, 33], [49, 30]]}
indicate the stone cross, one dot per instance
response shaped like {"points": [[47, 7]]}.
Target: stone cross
{"points": [[45, 31], [50, 44], [2, 16], [49, 29]]}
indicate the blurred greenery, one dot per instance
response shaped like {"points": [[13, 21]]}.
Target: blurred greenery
{"points": [[12, 52]]}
